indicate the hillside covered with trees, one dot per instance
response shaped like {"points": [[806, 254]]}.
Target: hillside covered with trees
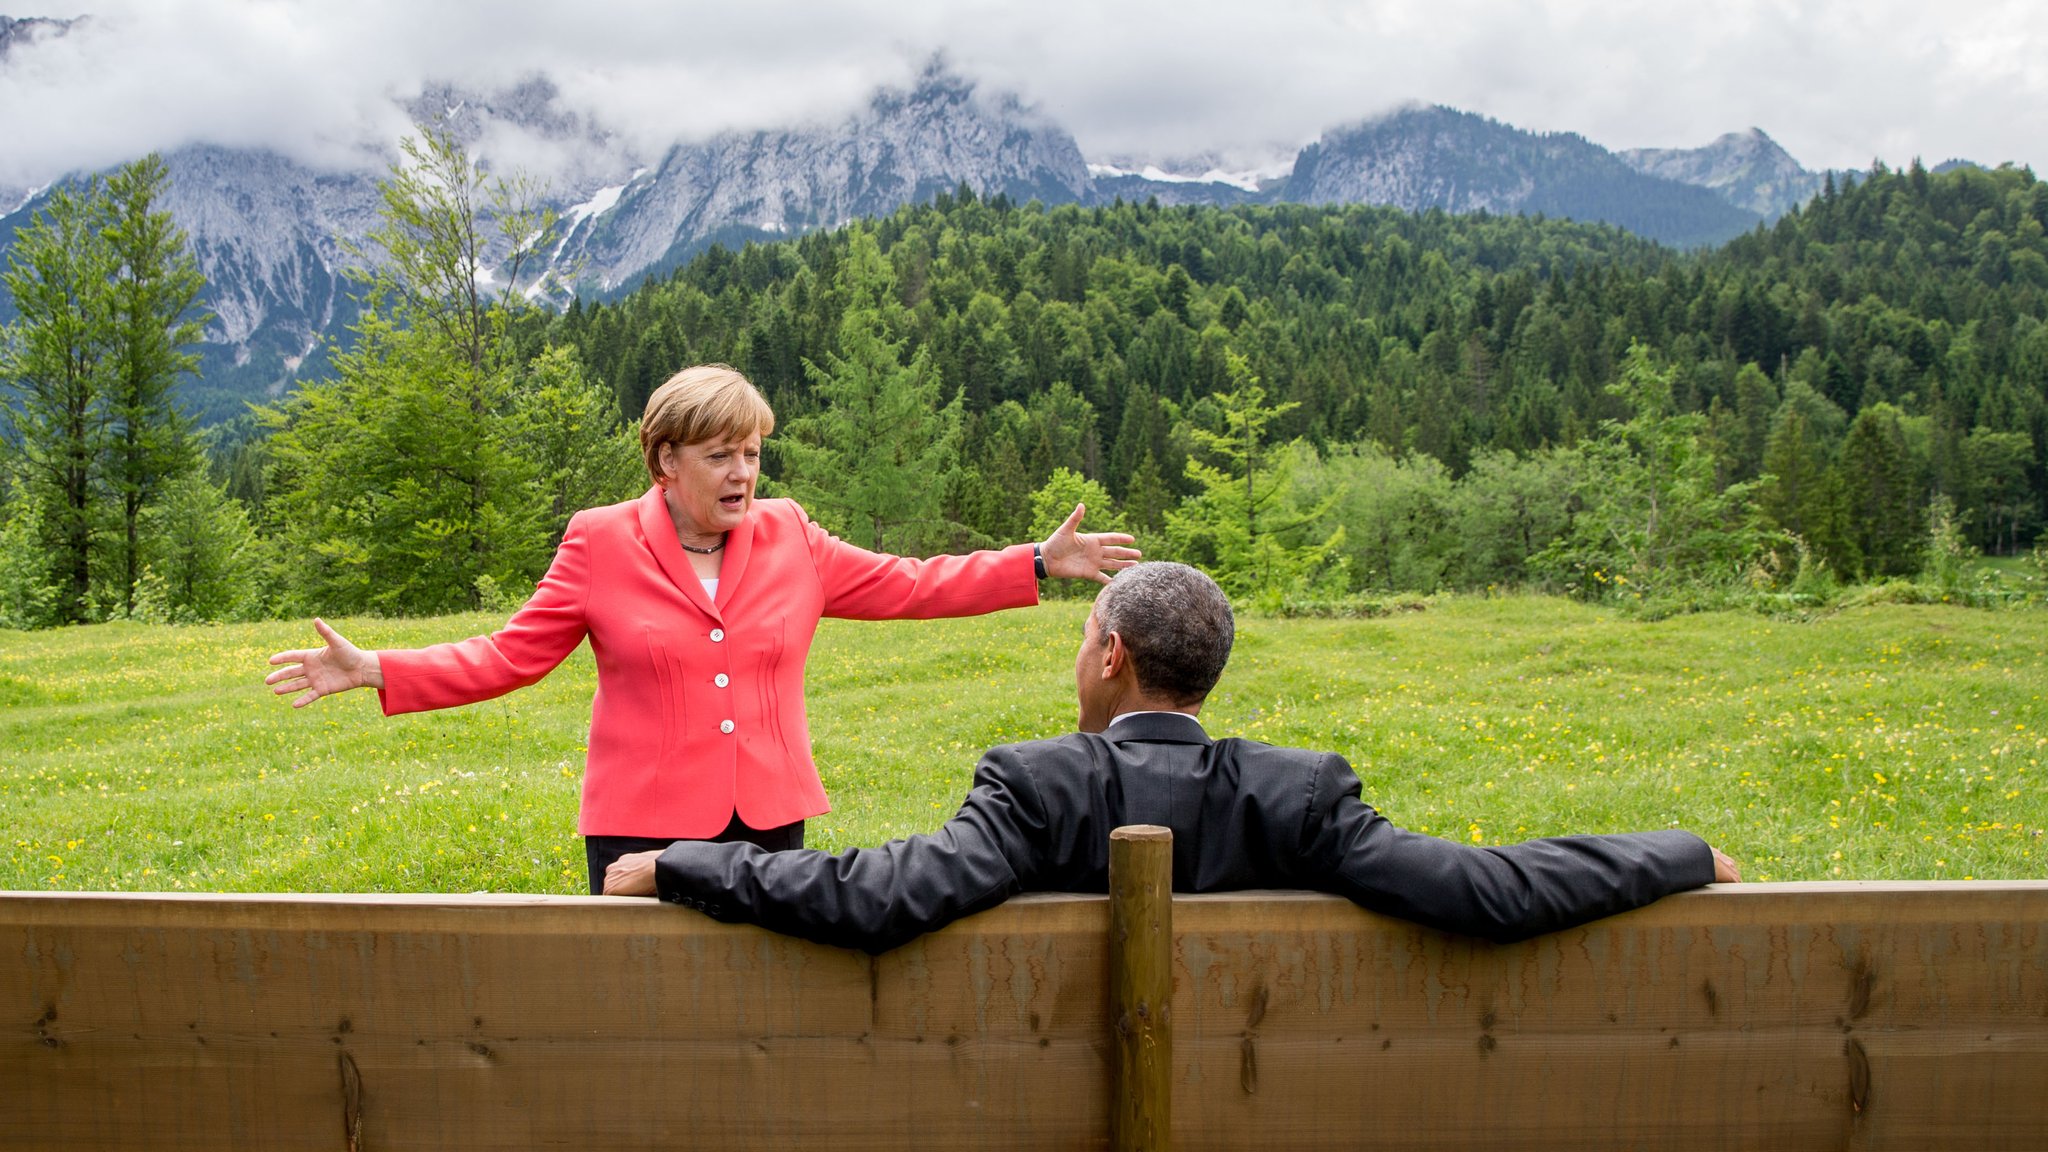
{"points": [[1878, 352], [1312, 402]]}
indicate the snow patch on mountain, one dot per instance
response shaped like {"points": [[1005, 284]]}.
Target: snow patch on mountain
{"points": [[1249, 181], [19, 198], [602, 202], [1254, 169]]}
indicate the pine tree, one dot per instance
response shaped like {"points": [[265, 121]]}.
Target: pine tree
{"points": [[1793, 499], [201, 551], [988, 494], [1880, 498], [1996, 488], [154, 317], [1755, 400], [56, 360], [1147, 498], [1238, 524], [875, 463], [569, 429]]}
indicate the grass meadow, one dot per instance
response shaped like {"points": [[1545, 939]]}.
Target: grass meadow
{"points": [[1884, 742]]}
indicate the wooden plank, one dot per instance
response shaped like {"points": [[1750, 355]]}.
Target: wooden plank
{"points": [[1763, 1015], [579, 1022], [1787, 1015]]}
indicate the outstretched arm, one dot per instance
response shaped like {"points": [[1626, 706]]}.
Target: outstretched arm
{"points": [[544, 631], [1502, 894], [869, 898], [864, 585]]}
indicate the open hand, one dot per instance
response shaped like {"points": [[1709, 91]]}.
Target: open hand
{"points": [[1085, 555], [1725, 869], [316, 672]]}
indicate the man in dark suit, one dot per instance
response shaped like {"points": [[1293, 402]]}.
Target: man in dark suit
{"points": [[1243, 815]]}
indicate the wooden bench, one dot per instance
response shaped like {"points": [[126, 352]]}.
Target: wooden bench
{"points": [[1843, 1015]]}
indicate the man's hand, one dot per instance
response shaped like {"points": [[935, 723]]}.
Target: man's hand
{"points": [[315, 672], [1080, 555], [633, 874], [1725, 870]]}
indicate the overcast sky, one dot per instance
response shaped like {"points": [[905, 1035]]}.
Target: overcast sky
{"points": [[1837, 82]]}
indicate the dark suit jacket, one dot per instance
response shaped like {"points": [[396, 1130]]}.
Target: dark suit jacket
{"points": [[1243, 815]]}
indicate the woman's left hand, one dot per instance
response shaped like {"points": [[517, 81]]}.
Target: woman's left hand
{"points": [[1086, 555]]}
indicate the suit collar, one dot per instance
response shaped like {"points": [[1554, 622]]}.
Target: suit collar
{"points": [[660, 530], [1157, 728], [739, 548]]}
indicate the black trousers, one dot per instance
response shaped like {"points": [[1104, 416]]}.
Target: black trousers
{"points": [[600, 851]]}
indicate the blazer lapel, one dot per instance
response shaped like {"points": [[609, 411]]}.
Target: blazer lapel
{"points": [[739, 548], [660, 530]]}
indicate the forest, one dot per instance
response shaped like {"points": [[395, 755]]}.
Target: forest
{"points": [[1319, 405]]}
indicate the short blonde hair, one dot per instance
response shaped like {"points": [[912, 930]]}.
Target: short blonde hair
{"points": [[708, 402]]}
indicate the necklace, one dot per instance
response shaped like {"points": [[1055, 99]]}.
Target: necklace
{"points": [[702, 551]]}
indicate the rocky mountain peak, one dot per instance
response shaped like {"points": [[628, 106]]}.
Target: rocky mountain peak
{"points": [[1748, 169], [275, 237], [904, 145], [526, 127], [1419, 157], [936, 83], [532, 105], [27, 30], [944, 107]]}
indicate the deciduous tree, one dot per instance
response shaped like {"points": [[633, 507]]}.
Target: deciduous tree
{"points": [[400, 484], [1652, 516]]}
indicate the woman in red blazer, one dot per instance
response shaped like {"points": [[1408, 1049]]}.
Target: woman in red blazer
{"points": [[700, 604]]}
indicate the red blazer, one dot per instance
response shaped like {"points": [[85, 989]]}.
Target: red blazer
{"points": [[700, 703]]}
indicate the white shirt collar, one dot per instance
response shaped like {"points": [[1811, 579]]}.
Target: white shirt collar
{"points": [[1150, 712]]}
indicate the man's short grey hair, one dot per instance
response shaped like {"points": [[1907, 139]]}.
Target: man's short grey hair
{"points": [[1176, 624]]}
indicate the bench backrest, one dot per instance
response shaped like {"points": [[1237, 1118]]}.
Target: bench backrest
{"points": [[1867, 1015]]}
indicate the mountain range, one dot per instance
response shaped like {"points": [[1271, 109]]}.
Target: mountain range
{"points": [[272, 234]]}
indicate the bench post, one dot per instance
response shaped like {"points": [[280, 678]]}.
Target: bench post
{"points": [[1141, 987]]}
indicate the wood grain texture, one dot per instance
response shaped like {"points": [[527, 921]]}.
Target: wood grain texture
{"points": [[1141, 987], [1882, 1015]]}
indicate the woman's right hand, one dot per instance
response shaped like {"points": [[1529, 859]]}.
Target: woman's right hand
{"points": [[316, 672]]}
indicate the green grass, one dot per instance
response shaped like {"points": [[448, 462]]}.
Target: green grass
{"points": [[2009, 573], [1892, 741]]}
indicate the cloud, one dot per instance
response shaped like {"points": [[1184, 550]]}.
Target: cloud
{"points": [[1837, 82], [324, 83]]}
